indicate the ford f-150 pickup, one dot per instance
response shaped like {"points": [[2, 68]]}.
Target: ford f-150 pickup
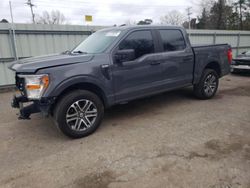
{"points": [[114, 66]]}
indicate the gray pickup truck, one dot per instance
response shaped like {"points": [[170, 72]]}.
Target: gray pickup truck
{"points": [[114, 66]]}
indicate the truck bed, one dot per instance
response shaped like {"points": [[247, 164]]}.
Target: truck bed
{"points": [[210, 53]]}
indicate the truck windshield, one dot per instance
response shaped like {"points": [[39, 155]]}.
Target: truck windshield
{"points": [[97, 42]]}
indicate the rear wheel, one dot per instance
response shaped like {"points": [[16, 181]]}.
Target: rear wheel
{"points": [[79, 113], [208, 84]]}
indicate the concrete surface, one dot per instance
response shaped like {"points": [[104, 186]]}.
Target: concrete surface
{"points": [[169, 140]]}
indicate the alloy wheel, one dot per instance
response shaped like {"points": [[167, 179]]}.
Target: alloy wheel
{"points": [[81, 115], [210, 84]]}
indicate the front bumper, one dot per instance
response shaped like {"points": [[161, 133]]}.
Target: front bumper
{"points": [[35, 106]]}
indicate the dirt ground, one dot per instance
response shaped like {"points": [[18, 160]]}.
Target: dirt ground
{"points": [[169, 140]]}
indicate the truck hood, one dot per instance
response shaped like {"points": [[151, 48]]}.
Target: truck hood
{"points": [[31, 65]]}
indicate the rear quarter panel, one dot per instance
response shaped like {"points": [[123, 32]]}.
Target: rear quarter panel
{"points": [[210, 54]]}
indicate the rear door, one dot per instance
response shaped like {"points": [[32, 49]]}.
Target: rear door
{"points": [[178, 58], [138, 77]]}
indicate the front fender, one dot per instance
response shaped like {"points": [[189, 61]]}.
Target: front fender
{"points": [[81, 79]]}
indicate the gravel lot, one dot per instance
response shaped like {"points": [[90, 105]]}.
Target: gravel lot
{"points": [[169, 140]]}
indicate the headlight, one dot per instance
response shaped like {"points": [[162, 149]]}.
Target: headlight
{"points": [[35, 85]]}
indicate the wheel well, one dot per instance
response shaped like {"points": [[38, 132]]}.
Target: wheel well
{"points": [[215, 66], [86, 86]]}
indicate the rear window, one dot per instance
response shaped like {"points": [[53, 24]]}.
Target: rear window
{"points": [[172, 40]]}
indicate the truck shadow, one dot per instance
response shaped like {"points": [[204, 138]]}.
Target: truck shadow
{"points": [[40, 128]]}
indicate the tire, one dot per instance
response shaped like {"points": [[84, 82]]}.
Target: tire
{"points": [[208, 85], [79, 113]]}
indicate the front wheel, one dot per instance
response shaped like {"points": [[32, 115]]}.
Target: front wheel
{"points": [[79, 113], [208, 84]]}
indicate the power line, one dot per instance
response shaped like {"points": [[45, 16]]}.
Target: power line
{"points": [[90, 5], [101, 4], [31, 8], [162, 9]]}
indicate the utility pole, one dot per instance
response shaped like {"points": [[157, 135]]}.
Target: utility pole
{"points": [[13, 33], [189, 13], [29, 3]]}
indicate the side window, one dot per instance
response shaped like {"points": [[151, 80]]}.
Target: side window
{"points": [[172, 40], [140, 41]]}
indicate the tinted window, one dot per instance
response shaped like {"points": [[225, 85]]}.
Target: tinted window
{"points": [[140, 41], [172, 40]]}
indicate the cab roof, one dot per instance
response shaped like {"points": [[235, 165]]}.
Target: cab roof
{"points": [[132, 27]]}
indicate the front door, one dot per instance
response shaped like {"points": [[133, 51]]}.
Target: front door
{"points": [[137, 77]]}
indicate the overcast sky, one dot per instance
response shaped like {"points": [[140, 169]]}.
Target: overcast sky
{"points": [[105, 12]]}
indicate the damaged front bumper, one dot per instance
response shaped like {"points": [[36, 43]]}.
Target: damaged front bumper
{"points": [[34, 106]]}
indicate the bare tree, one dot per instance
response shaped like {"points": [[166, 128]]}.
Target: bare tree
{"points": [[173, 18], [54, 17], [129, 22], [205, 4]]}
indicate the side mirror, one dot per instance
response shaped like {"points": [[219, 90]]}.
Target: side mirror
{"points": [[124, 55], [243, 53]]}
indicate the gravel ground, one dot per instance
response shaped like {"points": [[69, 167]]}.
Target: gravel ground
{"points": [[169, 140]]}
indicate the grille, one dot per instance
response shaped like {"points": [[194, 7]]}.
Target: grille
{"points": [[242, 62]]}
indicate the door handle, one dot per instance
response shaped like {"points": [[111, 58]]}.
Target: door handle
{"points": [[187, 59], [155, 63]]}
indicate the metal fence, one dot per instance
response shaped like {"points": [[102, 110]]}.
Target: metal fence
{"points": [[38, 39], [35, 40], [239, 40]]}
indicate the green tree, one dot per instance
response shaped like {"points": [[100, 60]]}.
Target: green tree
{"points": [[246, 22], [242, 6], [219, 15], [145, 22], [224, 15], [203, 20], [233, 21]]}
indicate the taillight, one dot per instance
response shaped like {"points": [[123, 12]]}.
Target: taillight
{"points": [[230, 56]]}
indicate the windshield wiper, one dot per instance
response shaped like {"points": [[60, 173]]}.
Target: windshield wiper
{"points": [[79, 52]]}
